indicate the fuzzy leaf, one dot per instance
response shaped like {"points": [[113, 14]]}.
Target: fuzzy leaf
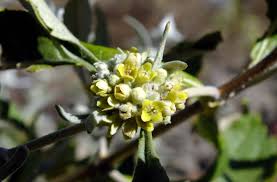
{"points": [[192, 52], [160, 52], [262, 49], [268, 42], [67, 116], [175, 65], [56, 53], [148, 166]]}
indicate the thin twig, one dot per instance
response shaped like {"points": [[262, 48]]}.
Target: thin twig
{"points": [[55, 136]]}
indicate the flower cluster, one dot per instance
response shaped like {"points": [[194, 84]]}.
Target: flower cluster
{"points": [[130, 93]]}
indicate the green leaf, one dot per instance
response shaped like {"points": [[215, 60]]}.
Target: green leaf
{"points": [[54, 27], [268, 42], [262, 49], [55, 53], [78, 18], [148, 166], [101, 52], [247, 139], [192, 52], [246, 153]]}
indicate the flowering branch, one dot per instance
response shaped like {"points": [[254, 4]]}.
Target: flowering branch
{"points": [[246, 79]]}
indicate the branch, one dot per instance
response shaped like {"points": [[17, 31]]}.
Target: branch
{"points": [[55, 137], [246, 79]]}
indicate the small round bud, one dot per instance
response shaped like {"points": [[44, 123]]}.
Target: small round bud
{"points": [[168, 108], [180, 106], [122, 92], [113, 79], [100, 87], [161, 75], [126, 111], [138, 95]]}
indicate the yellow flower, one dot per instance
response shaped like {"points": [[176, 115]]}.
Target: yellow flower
{"points": [[152, 111], [148, 126], [100, 87], [113, 79], [107, 104], [177, 95], [128, 70], [122, 92], [145, 73]]}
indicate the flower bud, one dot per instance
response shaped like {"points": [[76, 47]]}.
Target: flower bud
{"points": [[168, 108], [126, 111], [100, 87], [122, 92], [138, 95], [180, 106], [113, 79], [161, 75]]}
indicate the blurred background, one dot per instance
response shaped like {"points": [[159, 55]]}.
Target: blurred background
{"points": [[182, 151]]}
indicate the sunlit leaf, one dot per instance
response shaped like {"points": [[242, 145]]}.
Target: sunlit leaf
{"points": [[268, 42], [101, 52], [247, 139], [55, 53], [246, 153]]}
